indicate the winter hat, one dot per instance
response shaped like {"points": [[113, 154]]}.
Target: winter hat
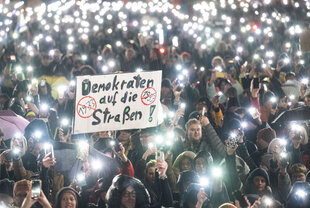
{"points": [[119, 185], [66, 190], [30, 113], [266, 134], [261, 172]]}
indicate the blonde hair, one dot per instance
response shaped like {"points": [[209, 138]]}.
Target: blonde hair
{"points": [[191, 122], [298, 168]]}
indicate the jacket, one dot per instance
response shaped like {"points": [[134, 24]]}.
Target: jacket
{"points": [[173, 171], [45, 174]]}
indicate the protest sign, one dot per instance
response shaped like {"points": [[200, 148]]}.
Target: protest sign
{"points": [[116, 101]]}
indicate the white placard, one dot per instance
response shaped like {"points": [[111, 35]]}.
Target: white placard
{"points": [[117, 101]]}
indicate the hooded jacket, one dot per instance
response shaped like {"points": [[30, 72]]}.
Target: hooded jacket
{"points": [[119, 185], [249, 186], [173, 171]]}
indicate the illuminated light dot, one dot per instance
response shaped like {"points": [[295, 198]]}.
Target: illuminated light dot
{"points": [[96, 28], [255, 56], [109, 16], [250, 39], [104, 68], [70, 47], [84, 36], [254, 27]]}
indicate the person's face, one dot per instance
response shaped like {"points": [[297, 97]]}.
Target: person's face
{"points": [[260, 183], [103, 134], [194, 132], [200, 166], [67, 201], [222, 86], [33, 146], [124, 137], [150, 175], [130, 53], [186, 164], [128, 198], [30, 118], [19, 197], [307, 101], [299, 177], [45, 60], [43, 90], [283, 102], [261, 144], [164, 91]]}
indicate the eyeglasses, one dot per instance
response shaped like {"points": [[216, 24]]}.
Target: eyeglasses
{"points": [[128, 194]]}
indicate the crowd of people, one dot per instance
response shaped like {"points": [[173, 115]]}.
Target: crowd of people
{"points": [[235, 98]]}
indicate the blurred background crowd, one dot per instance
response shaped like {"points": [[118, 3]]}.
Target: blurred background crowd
{"points": [[235, 98]]}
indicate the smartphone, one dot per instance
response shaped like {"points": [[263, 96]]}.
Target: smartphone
{"points": [[12, 58], [48, 148], [219, 75], [203, 111], [256, 83], [65, 125], [35, 188], [116, 145], [161, 155]]}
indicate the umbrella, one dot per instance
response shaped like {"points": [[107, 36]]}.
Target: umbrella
{"points": [[296, 114], [11, 123], [68, 164]]}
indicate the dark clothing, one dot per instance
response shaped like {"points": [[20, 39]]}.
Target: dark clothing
{"points": [[160, 192], [30, 162]]}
